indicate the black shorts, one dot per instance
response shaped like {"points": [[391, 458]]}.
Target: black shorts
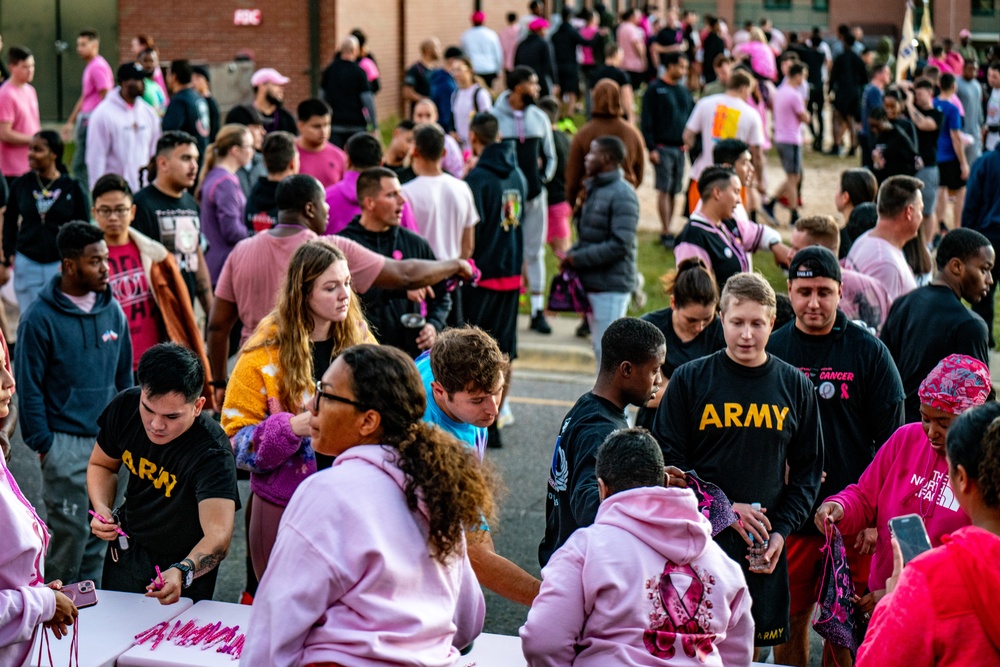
{"points": [[951, 175], [770, 592], [637, 79], [569, 79], [495, 312], [848, 106]]}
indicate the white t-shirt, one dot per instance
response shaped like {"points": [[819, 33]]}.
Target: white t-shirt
{"points": [[464, 105], [993, 118], [719, 117], [443, 208], [884, 262]]}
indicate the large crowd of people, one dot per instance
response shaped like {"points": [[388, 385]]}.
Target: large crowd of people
{"points": [[283, 296]]}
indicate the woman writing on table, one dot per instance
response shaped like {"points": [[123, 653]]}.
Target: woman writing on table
{"points": [[25, 601], [370, 566]]}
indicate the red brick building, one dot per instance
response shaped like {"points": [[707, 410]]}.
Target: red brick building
{"points": [[299, 37]]}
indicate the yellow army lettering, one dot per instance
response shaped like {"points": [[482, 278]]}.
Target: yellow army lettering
{"points": [[758, 415], [148, 470]]}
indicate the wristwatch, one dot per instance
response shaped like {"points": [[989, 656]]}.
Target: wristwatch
{"points": [[187, 572]]}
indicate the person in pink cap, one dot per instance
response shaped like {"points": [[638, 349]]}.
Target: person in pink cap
{"points": [[966, 48], [536, 52], [909, 474], [269, 99], [482, 46]]}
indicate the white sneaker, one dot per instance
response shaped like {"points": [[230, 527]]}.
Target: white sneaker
{"points": [[506, 417]]}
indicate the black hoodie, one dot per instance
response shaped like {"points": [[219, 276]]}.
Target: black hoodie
{"points": [[499, 189], [384, 307]]}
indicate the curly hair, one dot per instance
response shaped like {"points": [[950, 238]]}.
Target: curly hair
{"points": [[442, 475], [289, 325], [468, 359]]}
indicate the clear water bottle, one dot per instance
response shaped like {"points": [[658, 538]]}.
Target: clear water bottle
{"points": [[758, 563]]}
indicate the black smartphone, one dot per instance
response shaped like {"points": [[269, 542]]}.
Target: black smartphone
{"points": [[909, 531]]}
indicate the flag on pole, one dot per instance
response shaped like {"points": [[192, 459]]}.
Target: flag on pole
{"points": [[926, 34], [906, 58]]}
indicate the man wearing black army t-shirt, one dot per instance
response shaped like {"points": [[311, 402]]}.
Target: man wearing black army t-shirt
{"points": [[860, 398], [632, 352], [181, 496], [931, 322], [736, 418]]}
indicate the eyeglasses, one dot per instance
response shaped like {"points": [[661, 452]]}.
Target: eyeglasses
{"points": [[105, 212], [333, 397]]}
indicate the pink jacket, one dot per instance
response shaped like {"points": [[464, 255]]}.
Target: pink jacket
{"points": [[944, 610], [351, 580], [24, 600], [342, 198], [644, 584], [906, 477]]}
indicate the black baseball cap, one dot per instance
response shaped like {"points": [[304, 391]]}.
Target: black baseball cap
{"points": [[202, 70], [130, 72], [244, 114], [814, 262]]}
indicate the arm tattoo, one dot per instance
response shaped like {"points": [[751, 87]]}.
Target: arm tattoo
{"points": [[205, 563]]}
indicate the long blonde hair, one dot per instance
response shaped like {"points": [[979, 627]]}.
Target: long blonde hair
{"points": [[291, 322], [229, 137]]}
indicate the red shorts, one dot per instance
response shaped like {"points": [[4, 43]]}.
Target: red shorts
{"points": [[559, 221], [805, 568]]}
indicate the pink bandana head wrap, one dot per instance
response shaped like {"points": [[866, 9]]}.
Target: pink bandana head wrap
{"points": [[957, 383]]}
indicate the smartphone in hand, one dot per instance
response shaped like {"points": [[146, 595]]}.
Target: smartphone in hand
{"points": [[909, 531], [82, 594]]}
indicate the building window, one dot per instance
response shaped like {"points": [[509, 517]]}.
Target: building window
{"points": [[777, 4], [983, 7], [821, 5]]}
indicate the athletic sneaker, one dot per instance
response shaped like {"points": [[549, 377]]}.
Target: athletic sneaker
{"points": [[583, 331], [667, 241], [505, 418]]}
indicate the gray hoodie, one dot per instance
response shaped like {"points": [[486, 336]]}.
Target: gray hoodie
{"points": [[530, 132]]}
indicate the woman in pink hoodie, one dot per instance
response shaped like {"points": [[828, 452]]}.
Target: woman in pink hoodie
{"points": [[943, 610], [25, 601], [909, 474], [370, 566], [645, 585]]}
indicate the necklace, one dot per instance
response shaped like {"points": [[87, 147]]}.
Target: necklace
{"points": [[46, 189]]}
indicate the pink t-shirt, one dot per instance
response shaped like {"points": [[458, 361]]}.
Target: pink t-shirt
{"points": [[97, 77], [628, 34], [884, 262], [585, 54], [787, 103], [131, 290], [326, 164], [19, 107], [253, 290]]}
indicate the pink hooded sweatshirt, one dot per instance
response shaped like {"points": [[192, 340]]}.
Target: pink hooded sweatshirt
{"points": [[644, 585], [351, 579], [944, 610], [342, 198], [906, 477], [25, 602]]}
